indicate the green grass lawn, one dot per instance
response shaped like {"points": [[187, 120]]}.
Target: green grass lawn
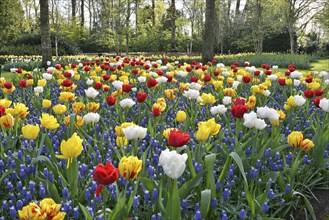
{"points": [[321, 65], [6, 75]]}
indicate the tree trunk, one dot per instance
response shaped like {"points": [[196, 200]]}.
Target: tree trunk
{"points": [[153, 13], [74, 5], [136, 17], [209, 32], [127, 26], [292, 38], [45, 32], [90, 15], [237, 7], [173, 25], [82, 13]]}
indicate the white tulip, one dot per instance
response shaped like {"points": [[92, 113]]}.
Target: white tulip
{"points": [[142, 79], [266, 93], [91, 117], [194, 85], [161, 79], [272, 77], [91, 92], [296, 75], [117, 84], [219, 109], [127, 103], [299, 100], [296, 82], [47, 76], [89, 81], [220, 65], [275, 67], [260, 124], [38, 89], [249, 119], [181, 73], [235, 84], [173, 164], [192, 94], [227, 100], [324, 104], [134, 132]]}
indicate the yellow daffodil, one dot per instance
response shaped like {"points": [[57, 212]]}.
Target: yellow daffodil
{"points": [[121, 141], [92, 107]]}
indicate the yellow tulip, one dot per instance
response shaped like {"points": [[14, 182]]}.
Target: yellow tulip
{"points": [[291, 101], [70, 149], [78, 107], [203, 133], [42, 82], [46, 103], [130, 167], [7, 121], [251, 102], [306, 145], [92, 107], [48, 209], [30, 131], [207, 99], [21, 110], [2, 82], [49, 121], [59, 109], [5, 103], [121, 141], [66, 96], [211, 125], [295, 138], [181, 116]]}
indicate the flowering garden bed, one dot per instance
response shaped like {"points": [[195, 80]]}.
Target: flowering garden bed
{"points": [[119, 138]]}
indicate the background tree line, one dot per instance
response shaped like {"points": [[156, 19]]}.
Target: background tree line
{"points": [[123, 26]]}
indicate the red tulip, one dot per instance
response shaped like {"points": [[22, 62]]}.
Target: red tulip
{"points": [[58, 66], [105, 175], [106, 77], [309, 79], [112, 69], [126, 87], [268, 72], [282, 81], [287, 73], [207, 78], [235, 70], [156, 111], [239, 101], [177, 138], [319, 92], [2, 110], [29, 76], [188, 69], [194, 79], [169, 78], [98, 85], [256, 72], [111, 100], [68, 74], [246, 79], [73, 65], [67, 83], [141, 96], [23, 83], [239, 110], [160, 73], [317, 101], [216, 73], [8, 85], [147, 67], [151, 83], [19, 70], [309, 94], [87, 68]]}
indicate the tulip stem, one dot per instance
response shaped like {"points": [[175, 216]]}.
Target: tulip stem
{"points": [[189, 162]]}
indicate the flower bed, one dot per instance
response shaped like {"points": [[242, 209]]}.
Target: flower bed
{"points": [[119, 138]]}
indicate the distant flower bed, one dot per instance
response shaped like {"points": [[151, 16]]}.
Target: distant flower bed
{"points": [[151, 138]]}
